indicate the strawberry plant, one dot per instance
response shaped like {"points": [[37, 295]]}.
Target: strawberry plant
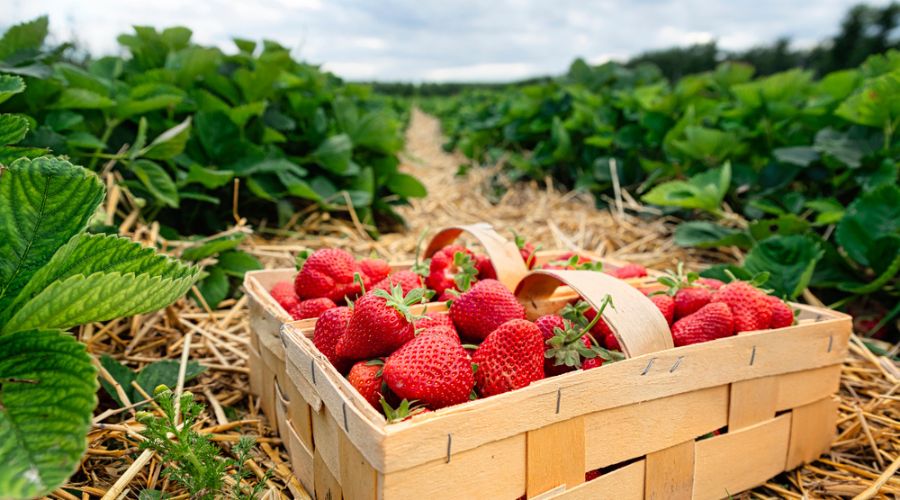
{"points": [[54, 276]]}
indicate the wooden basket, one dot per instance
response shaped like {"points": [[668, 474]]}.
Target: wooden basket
{"points": [[644, 420]]}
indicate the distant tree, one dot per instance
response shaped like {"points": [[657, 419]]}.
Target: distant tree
{"points": [[680, 61]]}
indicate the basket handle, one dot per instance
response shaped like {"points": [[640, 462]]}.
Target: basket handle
{"points": [[503, 253], [636, 322]]}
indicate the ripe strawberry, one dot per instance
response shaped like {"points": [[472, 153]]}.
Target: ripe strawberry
{"points": [[407, 280], [592, 363], [434, 318], [366, 377], [483, 308], [570, 260], [713, 321], [666, 305], [511, 357], [526, 250], [592, 474], [782, 314], [326, 273], [690, 299], [432, 369], [444, 330], [374, 269], [451, 267], [485, 267], [711, 283], [283, 293], [381, 323], [611, 342], [548, 326], [312, 308], [629, 271], [748, 306], [330, 327]]}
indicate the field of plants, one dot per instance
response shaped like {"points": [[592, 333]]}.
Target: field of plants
{"points": [[138, 190]]}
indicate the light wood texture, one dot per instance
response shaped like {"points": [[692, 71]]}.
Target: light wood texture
{"points": [[736, 461], [619, 384], [327, 440], [625, 483], [254, 363], [503, 253], [634, 319], [272, 352], [813, 429], [752, 401], [801, 388], [669, 473], [281, 417], [301, 459], [650, 426], [327, 486], [555, 456], [302, 385], [495, 470], [358, 478], [298, 411]]}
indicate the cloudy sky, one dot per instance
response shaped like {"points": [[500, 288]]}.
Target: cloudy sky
{"points": [[423, 40]]}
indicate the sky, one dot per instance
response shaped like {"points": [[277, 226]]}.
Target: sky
{"points": [[466, 40]]}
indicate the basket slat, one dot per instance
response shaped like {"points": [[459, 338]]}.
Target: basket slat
{"points": [[301, 459], [555, 456], [670, 473], [752, 401], [326, 485], [804, 387], [358, 478], [813, 427], [624, 483]]}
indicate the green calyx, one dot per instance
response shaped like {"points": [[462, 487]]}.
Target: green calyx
{"points": [[402, 303], [403, 411], [566, 347], [676, 280], [574, 263], [302, 255], [466, 271], [421, 267]]}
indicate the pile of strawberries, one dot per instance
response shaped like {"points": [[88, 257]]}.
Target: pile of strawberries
{"points": [[403, 358]]}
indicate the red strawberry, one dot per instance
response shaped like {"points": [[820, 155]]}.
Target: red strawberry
{"points": [[407, 280], [713, 321], [548, 325], [511, 357], [611, 342], [688, 300], [365, 377], [434, 318], [666, 305], [483, 308], [444, 330], [592, 363], [326, 273], [485, 268], [570, 260], [432, 369], [381, 323], [283, 293], [330, 327], [312, 308], [446, 268], [374, 269], [526, 250], [629, 271], [710, 283], [592, 474], [782, 314], [748, 306]]}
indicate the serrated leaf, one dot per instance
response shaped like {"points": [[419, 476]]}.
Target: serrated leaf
{"points": [[82, 99], [214, 287], [48, 386], [236, 263], [789, 260], [334, 153], [157, 181], [869, 217], [12, 128], [704, 191], [170, 143], [29, 35], [702, 234], [10, 85], [49, 201], [876, 104]]}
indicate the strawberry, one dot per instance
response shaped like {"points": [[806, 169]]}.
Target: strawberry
{"points": [[374, 269], [629, 271], [592, 363], [511, 357], [326, 273], [283, 293], [366, 377], [311, 308], [434, 318], [611, 342], [526, 249], [592, 474], [451, 268], [711, 283], [688, 300], [782, 314], [487, 305], [485, 267], [748, 305], [549, 324], [570, 345], [404, 411], [570, 260], [432, 369], [407, 280], [666, 305], [581, 313], [330, 327], [713, 321], [381, 322], [444, 330]]}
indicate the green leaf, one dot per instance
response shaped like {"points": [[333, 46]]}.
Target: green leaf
{"points": [[702, 234], [802, 156], [209, 177], [334, 153], [236, 263], [48, 386], [73, 98], [406, 185], [121, 374], [49, 201], [157, 181], [27, 36], [214, 287], [783, 225], [12, 128], [876, 104], [211, 247], [84, 140], [10, 85], [170, 143], [704, 191], [869, 217], [706, 144], [789, 260]]}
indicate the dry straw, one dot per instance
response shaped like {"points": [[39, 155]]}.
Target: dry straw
{"points": [[863, 461]]}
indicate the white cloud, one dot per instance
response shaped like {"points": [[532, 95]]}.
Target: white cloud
{"points": [[481, 72]]}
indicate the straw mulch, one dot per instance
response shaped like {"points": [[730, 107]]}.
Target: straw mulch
{"points": [[863, 462]]}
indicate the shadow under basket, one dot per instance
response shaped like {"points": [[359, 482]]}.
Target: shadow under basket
{"points": [[701, 421]]}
